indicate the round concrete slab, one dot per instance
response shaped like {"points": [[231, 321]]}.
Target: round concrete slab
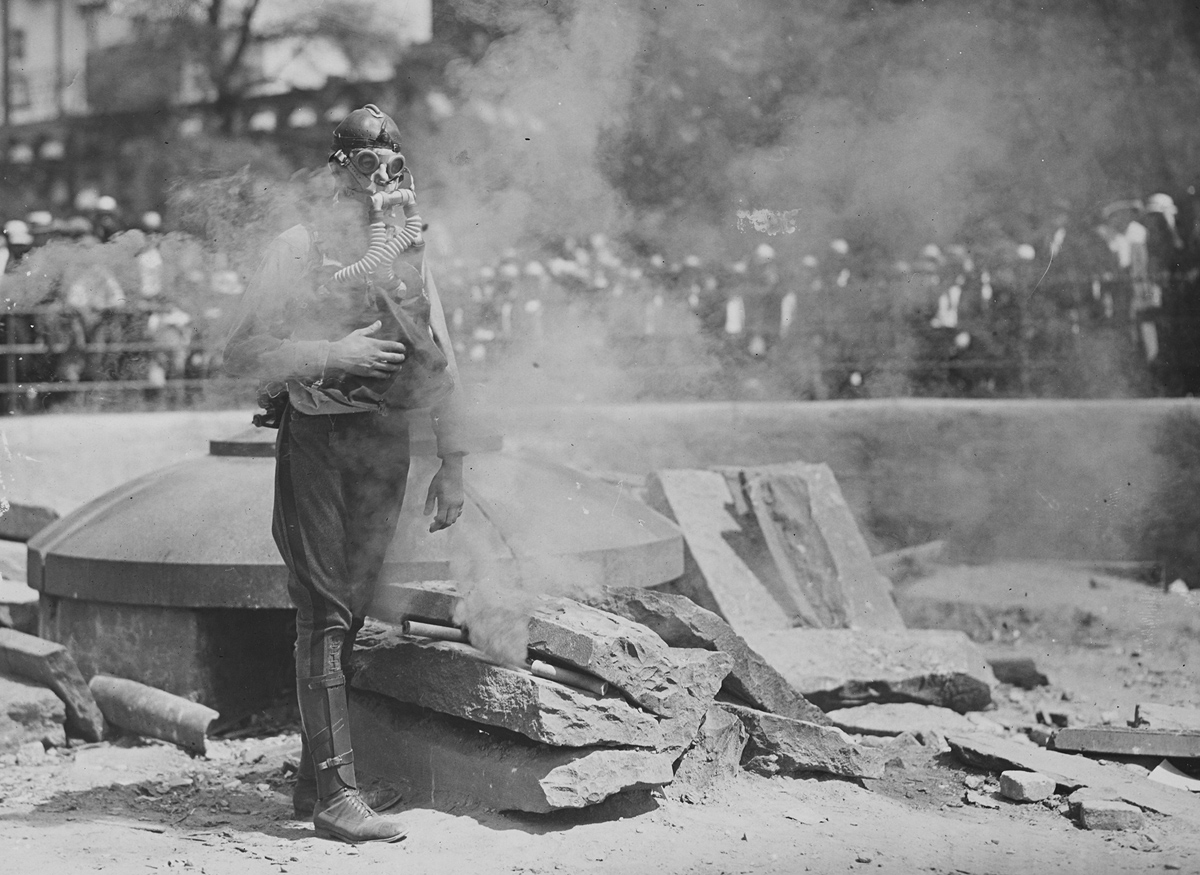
{"points": [[198, 534]]}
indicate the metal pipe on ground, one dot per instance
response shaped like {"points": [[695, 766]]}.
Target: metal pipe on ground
{"points": [[568, 677], [434, 630], [152, 712]]}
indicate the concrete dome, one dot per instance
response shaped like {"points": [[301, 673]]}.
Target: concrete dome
{"points": [[198, 534]]}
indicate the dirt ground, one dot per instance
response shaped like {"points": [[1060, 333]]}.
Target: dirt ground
{"points": [[144, 806]]}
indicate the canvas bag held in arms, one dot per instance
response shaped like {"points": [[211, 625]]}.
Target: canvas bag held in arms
{"points": [[403, 309], [424, 378]]}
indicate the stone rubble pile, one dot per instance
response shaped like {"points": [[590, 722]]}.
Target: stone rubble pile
{"points": [[448, 723]]}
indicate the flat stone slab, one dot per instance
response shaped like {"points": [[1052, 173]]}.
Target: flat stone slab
{"points": [[681, 622], [457, 679], [821, 555], [1129, 742], [714, 758], [626, 654], [51, 665], [896, 718], [700, 502], [782, 746], [1070, 770], [841, 668], [29, 713], [445, 762]]}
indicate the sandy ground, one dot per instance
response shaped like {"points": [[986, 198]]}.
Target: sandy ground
{"points": [[138, 806]]}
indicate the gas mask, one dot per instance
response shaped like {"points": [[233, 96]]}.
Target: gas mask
{"points": [[366, 149]]}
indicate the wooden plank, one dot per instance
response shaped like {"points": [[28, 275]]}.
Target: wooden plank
{"points": [[1129, 742], [698, 502], [993, 752], [818, 548], [1154, 716]]}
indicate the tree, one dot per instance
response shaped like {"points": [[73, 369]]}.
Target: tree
{"points": [[220, 41]]}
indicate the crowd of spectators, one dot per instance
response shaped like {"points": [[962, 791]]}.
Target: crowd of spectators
{"points": [[1106, 304], [94, 298], [1100, 305]]}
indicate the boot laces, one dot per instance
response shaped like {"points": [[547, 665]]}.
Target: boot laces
{"points": [[354, 798]]}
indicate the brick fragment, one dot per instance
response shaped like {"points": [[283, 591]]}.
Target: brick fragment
{"points": [[1110, 815], [1021, 786]]}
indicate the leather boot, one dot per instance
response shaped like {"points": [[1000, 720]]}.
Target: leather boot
{"points": [[304, 794], [340, 812]]}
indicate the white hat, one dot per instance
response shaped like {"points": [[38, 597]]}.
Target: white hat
{"points": [[1161, 203], [17, 232], [106, 203]]}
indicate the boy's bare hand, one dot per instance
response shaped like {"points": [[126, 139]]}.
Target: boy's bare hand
{"points": [[364, 356], [446, 493]]}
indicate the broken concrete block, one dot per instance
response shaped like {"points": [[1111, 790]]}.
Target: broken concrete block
{"points": [[714, 575], [434, 601], [782, 746], [841, 668], [713, 759], [624, 653], [1149, 715], [818, 549], [1110, 815], [51, 665], [695, 679], [895, 718], [1021, 786], [1129, 742], [29, 713], [680, 622], [443, 761], [455, 679]]}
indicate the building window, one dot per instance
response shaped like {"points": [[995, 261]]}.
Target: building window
{"points": [[16, 44], [18, 90]]}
